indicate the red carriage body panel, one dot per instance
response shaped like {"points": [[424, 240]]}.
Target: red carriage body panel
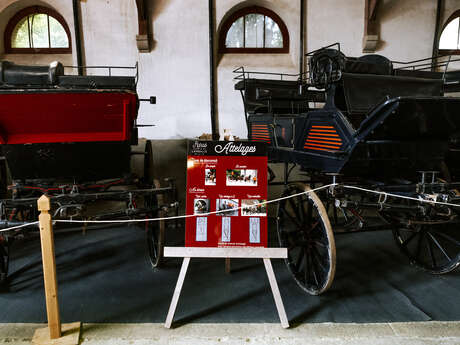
{"points": [[66, 116]]}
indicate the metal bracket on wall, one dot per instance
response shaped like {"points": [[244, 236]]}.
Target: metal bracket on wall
{"points": [[371, 35], [143, 38]]}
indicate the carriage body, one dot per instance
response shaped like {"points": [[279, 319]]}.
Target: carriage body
{"points": [[384, 137], [75, 138], [64, 126]]}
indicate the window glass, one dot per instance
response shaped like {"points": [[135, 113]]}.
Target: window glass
{"points": [[39, 25], [254, 30], [38, 30], [450, 36], [235, 38], [273, 35], [58, 35], [20, 36]]}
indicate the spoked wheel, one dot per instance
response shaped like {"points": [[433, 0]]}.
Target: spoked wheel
{"points": [[4, 259], [155, 231], [431, 243], [434, 248], [304, 228]]}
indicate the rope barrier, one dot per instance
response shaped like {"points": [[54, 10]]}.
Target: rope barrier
{"points": [[19, 226], [121, 221]]}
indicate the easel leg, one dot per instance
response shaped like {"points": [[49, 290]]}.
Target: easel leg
{"points": [[276, 293], [177, 290], [228, 266]]}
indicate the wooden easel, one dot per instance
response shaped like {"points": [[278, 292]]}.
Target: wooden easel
{"points": [[249, 252], [55, 333]]}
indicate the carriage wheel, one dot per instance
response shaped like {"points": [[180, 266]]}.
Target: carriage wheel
{"points": [[430, 243], [155, 231], [304, 228], [4, 259], [434, 248]]}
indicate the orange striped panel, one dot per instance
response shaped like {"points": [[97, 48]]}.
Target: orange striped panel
{"points": [[323, 138], [323, 145], [315, 148], [260, 132], [323, 142]]}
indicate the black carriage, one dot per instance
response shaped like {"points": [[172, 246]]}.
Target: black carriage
{"points": [[382, 136], [75, 138]]}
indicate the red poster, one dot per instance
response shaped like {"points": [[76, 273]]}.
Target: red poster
{"points": [[231, 178]]}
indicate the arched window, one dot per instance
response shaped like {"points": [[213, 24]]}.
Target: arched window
{"points": [[254, 30], [449, 43], [39, 30]]}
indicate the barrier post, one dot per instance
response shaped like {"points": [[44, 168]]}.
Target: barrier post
{"points": [[55, 333], [49, 267]]}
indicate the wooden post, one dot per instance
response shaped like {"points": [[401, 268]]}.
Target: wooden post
{"points": [[49, 267], [55, 333]]}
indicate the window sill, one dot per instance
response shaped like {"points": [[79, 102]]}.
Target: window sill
{"points": [[256, 60]]}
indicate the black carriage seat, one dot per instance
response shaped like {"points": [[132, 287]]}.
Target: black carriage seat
{"points": [[357, 94], [369, 64], [12, 74], [97, 82], [263, 96], [52, 76]]}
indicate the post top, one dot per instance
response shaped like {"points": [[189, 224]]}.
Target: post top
{"points": [[44, 203]]}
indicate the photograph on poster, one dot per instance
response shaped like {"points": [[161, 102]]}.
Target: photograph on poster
{"points": [[210, 177], [242, 177], [201, 206], [250, 207], [227, 204], [254, 230]]}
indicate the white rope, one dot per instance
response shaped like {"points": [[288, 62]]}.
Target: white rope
{"points": [[384, 194], [19, 226]]}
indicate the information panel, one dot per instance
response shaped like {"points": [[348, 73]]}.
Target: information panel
{"points": [[224, 176]]}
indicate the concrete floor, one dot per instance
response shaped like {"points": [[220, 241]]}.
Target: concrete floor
{"points": [[426, 333]]}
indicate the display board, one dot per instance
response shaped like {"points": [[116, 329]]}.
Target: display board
{"points": [[223, 176]]}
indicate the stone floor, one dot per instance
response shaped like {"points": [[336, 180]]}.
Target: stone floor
{"points": [[409, 333]]}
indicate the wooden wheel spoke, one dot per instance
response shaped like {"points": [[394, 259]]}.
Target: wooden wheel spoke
{"points": [[439, 246], [321, 244], [314, 272], [409, 239], [309, 215], [294, 207], [318, 259], [298, 261], [292, 218], [449, 238], [419, 245], [315, 226], [307, 266], [430, 250]]}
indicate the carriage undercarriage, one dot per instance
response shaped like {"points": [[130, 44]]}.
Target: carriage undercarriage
{"points": [[134, 197], [426, 232]]}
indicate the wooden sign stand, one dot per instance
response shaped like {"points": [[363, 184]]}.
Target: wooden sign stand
{"points": [[67, 334], [247, 252]]}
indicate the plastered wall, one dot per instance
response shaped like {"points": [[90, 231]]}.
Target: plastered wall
{"points": [[177, 68]]}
